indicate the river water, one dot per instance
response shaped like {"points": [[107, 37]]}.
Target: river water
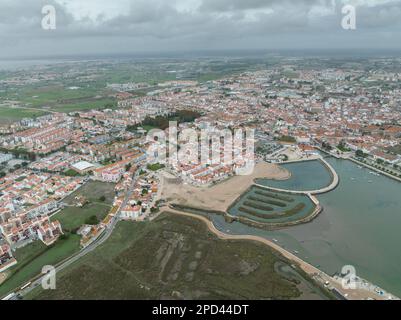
{"points": [[360, 224]]}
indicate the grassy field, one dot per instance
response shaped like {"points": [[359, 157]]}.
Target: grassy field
{"points": [[173, 257], [8, 115], [92, 191], [33, 257], [60, 98], [82, 106], [73, 217]]}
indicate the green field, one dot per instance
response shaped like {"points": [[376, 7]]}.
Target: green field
{"points": [[72, 218], [8, 115], [82, 106], [92, 191], [173, 257], [59, 98], [34, 256]]}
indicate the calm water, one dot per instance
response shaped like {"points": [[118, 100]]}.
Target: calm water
{"points": [[305, 176], [360, 225]]}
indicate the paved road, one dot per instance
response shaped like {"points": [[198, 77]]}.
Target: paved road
{"points": [[103, 237]]}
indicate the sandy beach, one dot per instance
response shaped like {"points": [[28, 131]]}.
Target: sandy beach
{"points": [[222, 195]]}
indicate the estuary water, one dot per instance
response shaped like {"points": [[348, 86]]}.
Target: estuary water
{"points": [[305, 176], [360, 224]]}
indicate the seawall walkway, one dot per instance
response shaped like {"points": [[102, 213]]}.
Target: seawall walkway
{"points": [[375, 169], [334, 183]]}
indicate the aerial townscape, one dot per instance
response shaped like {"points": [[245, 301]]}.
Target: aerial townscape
{"points": [[68, 177], [239, 175]]}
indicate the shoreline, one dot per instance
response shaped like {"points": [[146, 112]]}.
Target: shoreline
{"points": [[312, 271], [374, 169], [361, 293], [388, 175], [335, 180]]}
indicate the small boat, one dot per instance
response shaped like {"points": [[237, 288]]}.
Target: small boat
{"points": [[295, 251], [370, 181], [352, 179], [275, 240]]}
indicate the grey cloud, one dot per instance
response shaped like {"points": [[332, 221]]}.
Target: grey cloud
{"points": [[158, 24], [235, 5]]}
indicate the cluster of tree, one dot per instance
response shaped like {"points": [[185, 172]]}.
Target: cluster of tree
{"points": [[360, 154], [71, 173], [92, 220], [343, 147], [289, 139], [20, 153], [155, 166], [327, 146], [162, 122]]}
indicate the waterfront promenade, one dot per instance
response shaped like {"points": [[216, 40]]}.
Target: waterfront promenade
{"points": [[374, 169], [351, 158]]}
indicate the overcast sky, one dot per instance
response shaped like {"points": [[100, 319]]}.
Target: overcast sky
{"points": [[135, 26]]}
